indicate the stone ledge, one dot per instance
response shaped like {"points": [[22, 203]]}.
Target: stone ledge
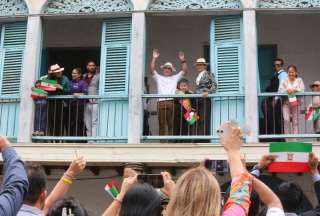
{"points": [[150, 154]]}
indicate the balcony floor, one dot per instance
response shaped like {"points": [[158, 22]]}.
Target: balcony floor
{"points": [[150, 154]]}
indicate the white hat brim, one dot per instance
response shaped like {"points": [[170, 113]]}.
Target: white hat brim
{"points": [[56, 71], [166, 66]]}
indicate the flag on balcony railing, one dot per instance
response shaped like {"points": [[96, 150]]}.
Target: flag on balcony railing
{"points": [[111, 188], [38, 93], [312, 113], [291, 157], [191, 117], [292, 100]]}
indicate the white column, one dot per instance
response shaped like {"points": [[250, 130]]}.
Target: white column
{"points": [[30, 68], [137, 72], [251, 72]]}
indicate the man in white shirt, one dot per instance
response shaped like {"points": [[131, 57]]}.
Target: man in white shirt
{"points": [[166, 85]]}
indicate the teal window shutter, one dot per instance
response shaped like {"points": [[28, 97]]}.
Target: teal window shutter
{"points": [[13, 39], [114, 76], [226, 52], [115, 59], [226, 61]]}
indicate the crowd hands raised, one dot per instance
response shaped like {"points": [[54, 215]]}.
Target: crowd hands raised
{"points": [[195, 193]]}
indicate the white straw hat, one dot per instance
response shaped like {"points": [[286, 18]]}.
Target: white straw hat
{"points": [[201, 61], [168, 65], [55, 69]]}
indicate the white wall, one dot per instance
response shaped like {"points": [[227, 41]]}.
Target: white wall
{"points": [[297, 37], [72, 32], [172, 34]]}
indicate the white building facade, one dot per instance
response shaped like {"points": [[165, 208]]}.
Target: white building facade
{"points": [[239, 38]]}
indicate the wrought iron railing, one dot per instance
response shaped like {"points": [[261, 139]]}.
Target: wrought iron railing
{"points": [[165, 118], [81, 119], [281, 120]]}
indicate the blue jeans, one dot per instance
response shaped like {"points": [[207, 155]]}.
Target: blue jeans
{"points": [[40, 115]]}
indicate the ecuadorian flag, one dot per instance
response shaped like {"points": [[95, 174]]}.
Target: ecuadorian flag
{"points": [[291, 157]]}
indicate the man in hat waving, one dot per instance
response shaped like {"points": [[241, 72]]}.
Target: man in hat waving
{"points": [[166, 85]]}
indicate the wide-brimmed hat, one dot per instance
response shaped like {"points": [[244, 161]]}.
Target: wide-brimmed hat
{"points": [[168, 65], [55, 69], [201, 61], [316, 83]]}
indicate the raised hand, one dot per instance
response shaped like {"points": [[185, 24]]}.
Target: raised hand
{"points": [[313, 163], [4, 143], [266, 160], [76, 167], [181, 56], [156, 53], [168, 184], [230, 137]]}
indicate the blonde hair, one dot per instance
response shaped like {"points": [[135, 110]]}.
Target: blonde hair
{"points": [[197, 193]]}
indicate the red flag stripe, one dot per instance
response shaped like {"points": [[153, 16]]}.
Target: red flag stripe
{"points": [[286, 167]]}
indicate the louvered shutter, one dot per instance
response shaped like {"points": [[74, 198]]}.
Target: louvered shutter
{"points": [[115, 56], [12, 52], [227, 47], [226, 61], [114, 75]]}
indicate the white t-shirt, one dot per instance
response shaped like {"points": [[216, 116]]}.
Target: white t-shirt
{"points": [[275, 212], [167, 85]]}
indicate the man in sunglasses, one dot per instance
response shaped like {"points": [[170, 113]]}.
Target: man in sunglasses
{"points": [[272, 107]]}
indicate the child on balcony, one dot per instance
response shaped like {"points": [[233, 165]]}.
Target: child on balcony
{"points": [[316, 107], [185, 115], [290, 107]]}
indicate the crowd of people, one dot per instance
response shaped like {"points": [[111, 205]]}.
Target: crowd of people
{"points": [[78, 117], [176, 116], [195, 193]]}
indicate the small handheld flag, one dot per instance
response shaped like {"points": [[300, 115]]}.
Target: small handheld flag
{"points": [[293, 100], [48, 85], [111, 188], [312, 114], [291, 157], [191, 117]]}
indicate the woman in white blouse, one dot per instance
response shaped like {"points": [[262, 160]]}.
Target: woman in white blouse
{"points": [[291, 85]]}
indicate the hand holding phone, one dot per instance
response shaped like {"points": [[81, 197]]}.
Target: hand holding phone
{"points": [[155, 180], [230, 136]]}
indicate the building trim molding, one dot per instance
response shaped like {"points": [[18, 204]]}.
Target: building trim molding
{"points": [[86, 6], [288, 4], [156, 5], [13, 8]]}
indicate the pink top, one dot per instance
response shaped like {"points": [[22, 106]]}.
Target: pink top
{"points": [[296, 85], [238, 202]]}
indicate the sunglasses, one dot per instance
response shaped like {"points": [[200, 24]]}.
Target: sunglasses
{"points": [[279, 65]]}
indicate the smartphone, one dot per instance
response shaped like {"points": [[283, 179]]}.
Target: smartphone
{"points": [[155, 180], [217, 166]]}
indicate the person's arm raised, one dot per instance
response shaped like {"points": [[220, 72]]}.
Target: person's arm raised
{"points": [[62, 187], [15, 180], [115, 206], [267, 196], [184, 66], [155, 55], [230, 138]]}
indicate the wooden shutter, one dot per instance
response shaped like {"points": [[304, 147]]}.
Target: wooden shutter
{"points": [[114, 75], [115, 56], [13, 40], [226, 62], [227, 53]]}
